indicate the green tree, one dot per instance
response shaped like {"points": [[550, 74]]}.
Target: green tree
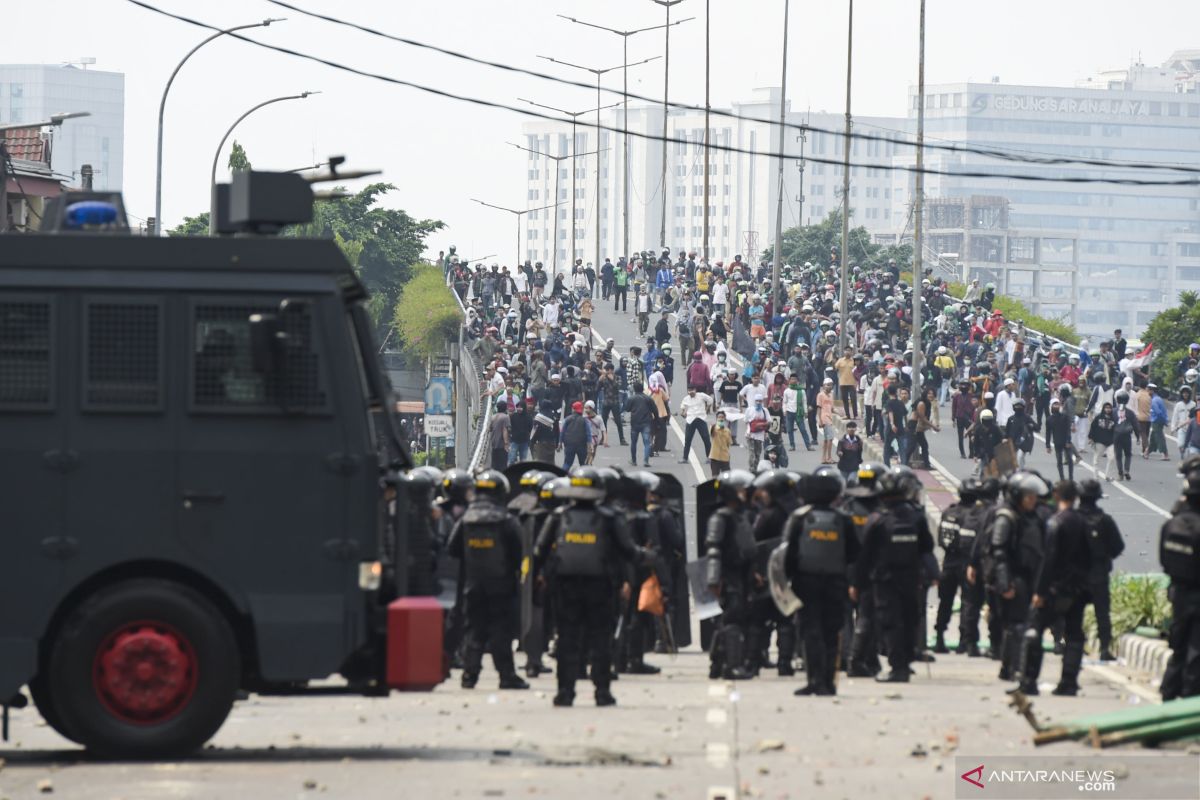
{"points": [[814, 243], [426, 316], [238, 160], [1172, 331], [191, 226], [382, 243], [1013, 309]]}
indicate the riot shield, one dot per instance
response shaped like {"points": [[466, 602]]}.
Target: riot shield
{"points": [[781, 588], [670, 490], [706, 505]]}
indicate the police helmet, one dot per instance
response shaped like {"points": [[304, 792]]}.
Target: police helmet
{"points": [[426, 475], [866, 480], [648, 480], [824, 486], [969, 490], [1021, 484], [989, 488], [1190, 470], [1089, 489], [534, 479], [775, 482], [907, 482], [492, 485], [587, 484], [457, 485], [551, 494], [731, 483]]}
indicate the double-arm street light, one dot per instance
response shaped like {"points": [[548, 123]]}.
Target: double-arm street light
{"points": [[574, 115], [212, 181], [599, 73], [518, 213], [625, 113], [556, 159], [162, 108]]}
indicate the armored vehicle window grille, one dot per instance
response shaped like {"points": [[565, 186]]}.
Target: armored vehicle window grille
{"points": [[223, 372], [25, 355], [123, 370]]}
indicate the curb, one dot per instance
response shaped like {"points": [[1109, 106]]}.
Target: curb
{"points": [[1144, 655]]}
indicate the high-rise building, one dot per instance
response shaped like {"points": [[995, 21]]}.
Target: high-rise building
{"points": [[32, 92]]}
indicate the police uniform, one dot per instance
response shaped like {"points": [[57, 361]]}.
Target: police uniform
{"points": [[1104, 545], [896, 538], [1179, 553], [1061, 585], [1014, 555], [956, 536], [487, 540], [765, 616], [675, 589], [730, 552], [537, 627], [862, 660], [639, 628], [584, 548], [821, 545]]}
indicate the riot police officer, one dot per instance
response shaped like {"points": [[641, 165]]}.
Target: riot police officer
{"points": [[671, 536], [983, 515], [638, 627], [896, 540], [487, 542], [1014, 553], [775, 498], [822, 545], [584, 547], [860, 501], [1059, 590], [730, 550], [458, 486], [1105, 544], [956, 535], [1179, 553], [531, 512]]}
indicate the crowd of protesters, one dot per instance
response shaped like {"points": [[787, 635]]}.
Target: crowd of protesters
{"points": [[745, 371]]}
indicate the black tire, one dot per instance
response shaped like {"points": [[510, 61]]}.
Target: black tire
{"points": [[144, 669], [45, 706]]}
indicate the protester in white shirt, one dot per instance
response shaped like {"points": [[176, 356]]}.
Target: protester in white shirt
{"points": [[695, 408], [550, 312], [1004, 406]]}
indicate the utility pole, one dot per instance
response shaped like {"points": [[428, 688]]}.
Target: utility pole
{"points": [[844, 259], [777, 261], [802, 138], [919, 212], [518, 213], [708, 113], [85, 177], [599, 73], [662, 233], [624, 115]]}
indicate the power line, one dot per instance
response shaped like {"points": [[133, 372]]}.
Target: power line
{"points": [[1010, 155], [653, 137]]}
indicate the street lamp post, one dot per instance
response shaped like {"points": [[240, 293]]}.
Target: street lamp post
{"points": [[518, 213], [574, 115], [844, 261], [212, 182], [777, 261], [162, 107], [599, 73], [919, 213], [624, 114], [556, 160], [662, 233]]}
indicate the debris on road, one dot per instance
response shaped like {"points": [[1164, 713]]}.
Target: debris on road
{"points": [[769, 745], [45, 786]]}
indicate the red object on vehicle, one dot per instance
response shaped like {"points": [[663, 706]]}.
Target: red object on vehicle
{"points": [[414, 644]]}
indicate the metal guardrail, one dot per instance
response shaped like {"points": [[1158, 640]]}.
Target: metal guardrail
{"points": [[470, 375]]}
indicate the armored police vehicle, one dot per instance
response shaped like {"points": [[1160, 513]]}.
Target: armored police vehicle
{"points": [[202, 477]]}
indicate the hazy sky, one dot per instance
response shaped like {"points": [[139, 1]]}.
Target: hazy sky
{"points": [[440, 152]]}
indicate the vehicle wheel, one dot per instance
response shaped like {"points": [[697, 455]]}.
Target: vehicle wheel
{"points": [[144, 669], [45, 706]]}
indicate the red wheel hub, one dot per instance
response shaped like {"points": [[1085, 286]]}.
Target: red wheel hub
{"points": [[145, 672]]}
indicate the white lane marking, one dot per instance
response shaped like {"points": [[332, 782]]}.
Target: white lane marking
{"points": [[717, 755], [697, 467], [716, 716], [717, 690]]}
